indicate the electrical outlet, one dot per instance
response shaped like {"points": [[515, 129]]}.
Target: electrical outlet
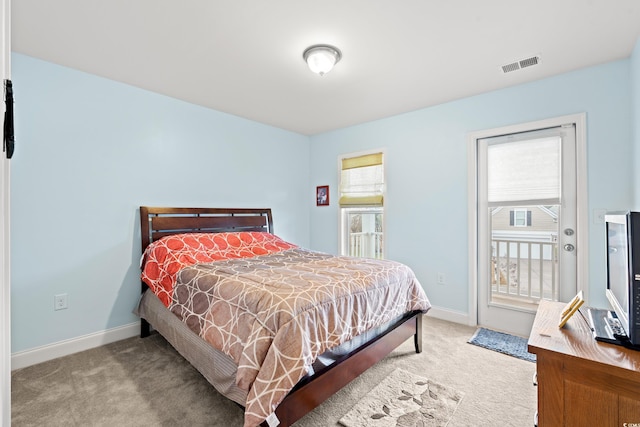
{"points": [[60, 302], [441, 279]]}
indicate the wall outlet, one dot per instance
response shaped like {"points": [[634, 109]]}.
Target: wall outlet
{"points": [[60, 302], [441, 279]]}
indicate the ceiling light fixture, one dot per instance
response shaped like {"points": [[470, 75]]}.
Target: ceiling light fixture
{"points": [[321, 58]]}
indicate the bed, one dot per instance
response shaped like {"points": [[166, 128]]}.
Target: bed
{"points": [[342, 340]]}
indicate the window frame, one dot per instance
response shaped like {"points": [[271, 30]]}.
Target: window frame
{"points": [[346, 210], [526, 217]]}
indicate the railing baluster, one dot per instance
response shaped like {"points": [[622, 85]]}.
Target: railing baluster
{"points": [[508, 267], [541, 272], [499, 272], [554, 291], [529, 289], [518, 281]]}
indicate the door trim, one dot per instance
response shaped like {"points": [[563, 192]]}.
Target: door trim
{"points": [[5, 276], [582, 212]]}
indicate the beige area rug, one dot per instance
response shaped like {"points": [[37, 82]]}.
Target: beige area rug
{"points": [[403, 399]]}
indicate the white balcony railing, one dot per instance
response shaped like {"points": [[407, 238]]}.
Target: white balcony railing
{"points": [[524, 270], [365, 245]]}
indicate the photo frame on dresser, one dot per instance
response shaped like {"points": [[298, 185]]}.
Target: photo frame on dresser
{"points": [[573, 306]]}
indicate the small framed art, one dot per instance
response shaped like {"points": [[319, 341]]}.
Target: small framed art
{"points": [[322, 195]]}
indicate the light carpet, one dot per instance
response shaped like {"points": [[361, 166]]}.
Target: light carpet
{"points": [[404, 399], [146, 383], [502, 343]]}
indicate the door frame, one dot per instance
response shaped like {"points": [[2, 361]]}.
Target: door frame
{"points": [[5, 274], [582, 212]]}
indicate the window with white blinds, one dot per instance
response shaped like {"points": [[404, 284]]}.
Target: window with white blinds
{"points": [[524, 170], [362, 181]]}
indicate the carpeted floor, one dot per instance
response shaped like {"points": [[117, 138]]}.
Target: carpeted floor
{"points": [[144, 382]]}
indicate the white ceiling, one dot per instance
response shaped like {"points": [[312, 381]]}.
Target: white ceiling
{"points": [[244, 57]]}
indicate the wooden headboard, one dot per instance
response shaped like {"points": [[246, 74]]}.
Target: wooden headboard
{"points": [[158, 222]]}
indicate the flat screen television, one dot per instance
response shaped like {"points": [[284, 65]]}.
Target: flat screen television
{"points": [[623, 271]]}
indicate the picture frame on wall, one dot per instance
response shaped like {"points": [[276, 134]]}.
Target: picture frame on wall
{"points": [[322, 195]]}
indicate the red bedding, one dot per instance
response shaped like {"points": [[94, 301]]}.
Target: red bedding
{"points": [[164, 258]]}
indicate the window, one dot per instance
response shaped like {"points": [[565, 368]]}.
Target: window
{"points": [[520, 218], [361, 205]]}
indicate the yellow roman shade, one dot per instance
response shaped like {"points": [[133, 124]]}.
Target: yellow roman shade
{"points": [[362, 161], [362, 180], [361, 201]]}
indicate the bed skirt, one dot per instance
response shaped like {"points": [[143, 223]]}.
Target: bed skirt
{"points": [[218, 368]]}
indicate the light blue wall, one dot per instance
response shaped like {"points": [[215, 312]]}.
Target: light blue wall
{"points": [[89, 152], [426, 204]]}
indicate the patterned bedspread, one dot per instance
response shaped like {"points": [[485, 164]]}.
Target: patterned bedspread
{"points": [[275, 313], [164, 258]]}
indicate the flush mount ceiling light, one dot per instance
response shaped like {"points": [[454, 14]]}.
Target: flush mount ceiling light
{"points": [[321, 58]]}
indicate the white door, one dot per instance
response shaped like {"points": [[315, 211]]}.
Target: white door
{"points": [[527, 226]]}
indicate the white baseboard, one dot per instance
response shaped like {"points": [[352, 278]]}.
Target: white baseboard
{"points": [[36, 355], [33, 356], [449, 315]]}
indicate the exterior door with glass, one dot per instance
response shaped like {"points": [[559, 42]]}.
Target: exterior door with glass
{"points": [[526, 224]]}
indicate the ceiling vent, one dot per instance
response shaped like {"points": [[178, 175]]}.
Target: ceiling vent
{"points": [[523, 63]]}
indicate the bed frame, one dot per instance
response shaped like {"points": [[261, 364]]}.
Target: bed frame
{"points": [[156, 222]]}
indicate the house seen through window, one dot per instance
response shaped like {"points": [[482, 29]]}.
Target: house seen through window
{"points": [[361, 205]]}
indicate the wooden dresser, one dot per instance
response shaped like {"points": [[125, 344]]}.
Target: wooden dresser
{"points": [[582, 382]]}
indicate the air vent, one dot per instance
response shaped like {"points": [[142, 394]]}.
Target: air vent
{"points": [[529, 62], [523, 63], [510, 67]]}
